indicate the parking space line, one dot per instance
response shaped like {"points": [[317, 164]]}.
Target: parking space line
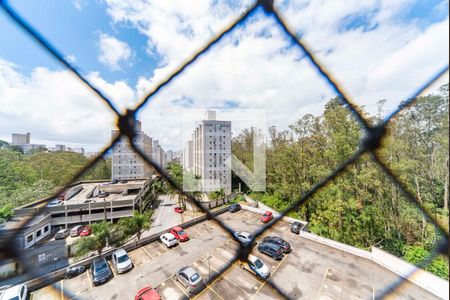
{"points": [[180, 287], [148, 253], [89, 279], [209, 286], [323, 281], [212, 290], [112, 269], [284, 258], [226, 278], [247, 272], [163, 247]]}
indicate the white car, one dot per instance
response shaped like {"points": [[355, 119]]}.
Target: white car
{"points": [[244, 237], [17, 292], [168, 239], [121, 261], [256, 266]]}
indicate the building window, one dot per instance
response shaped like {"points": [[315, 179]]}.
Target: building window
{"points": [[38, 233], [46, 228], [29, 238]]}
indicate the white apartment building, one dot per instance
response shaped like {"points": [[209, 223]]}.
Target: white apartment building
{"points": [[188, 156], [169, 156], [211, 147], [126, 164], [20, 139], [159, 155]]}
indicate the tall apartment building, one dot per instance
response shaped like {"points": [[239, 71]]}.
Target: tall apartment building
{"points": [[126, 164], [211, 147], [20, 139], [24, 141], [159, 155]]}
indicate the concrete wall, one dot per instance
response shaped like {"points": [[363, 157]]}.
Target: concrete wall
{"points": [[432, 283], [422, 278]]}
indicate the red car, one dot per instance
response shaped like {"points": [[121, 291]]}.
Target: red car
{"points": [[180, 234], [178, 210], [267, 217], [147, 293], [86, 231]]}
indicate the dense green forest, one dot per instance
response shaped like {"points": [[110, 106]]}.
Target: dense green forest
{"points": [[27, 178], [362, 207]]}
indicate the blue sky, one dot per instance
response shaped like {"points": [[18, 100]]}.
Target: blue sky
{"points": [[73, 32], [126, 47]]}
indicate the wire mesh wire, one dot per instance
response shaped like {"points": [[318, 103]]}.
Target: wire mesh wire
{"points": [[370, 143]]}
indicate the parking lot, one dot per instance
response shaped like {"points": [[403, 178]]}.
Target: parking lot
{"points": [[311, 271]]}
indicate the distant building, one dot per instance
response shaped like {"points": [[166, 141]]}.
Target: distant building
{"points": [[169, 156], [79, 150], [20, 139], [24, 141], [126, 164], [188, 156], [211, 147], [159, 155], [59, 148]]}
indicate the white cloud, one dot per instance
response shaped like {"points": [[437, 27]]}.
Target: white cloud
{"points": [[57, 108], [255, 67], [113, 52]]}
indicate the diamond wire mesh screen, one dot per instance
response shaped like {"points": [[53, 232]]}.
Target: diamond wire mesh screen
{"points": [[369, 144]]}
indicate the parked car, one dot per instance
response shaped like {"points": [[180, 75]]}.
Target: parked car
{"points": [[244, 237], [255, 266], [62, 196], [178, 210], [55, 202], [17, 292], [74, 271], [190, 279], [147, 293], [273, 250], [168, 239], [121, 261], [62, 233], [179, 234], [100, 271], [295, 227], [86, 231], [267, 217], [103, 194], [279, 241], [114, 181], [234, 207], [75, 231], [123, 181]]}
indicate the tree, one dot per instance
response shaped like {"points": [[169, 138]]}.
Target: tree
{"points": [[6, 212], [136, 224], [103, 233]]}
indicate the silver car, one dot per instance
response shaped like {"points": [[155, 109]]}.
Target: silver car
{"points": [[190, 279], [244, 237], [121, 261], [62, 234]]}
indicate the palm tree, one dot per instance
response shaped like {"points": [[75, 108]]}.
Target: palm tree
{"points": [[136, 224], [103, 233]]}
